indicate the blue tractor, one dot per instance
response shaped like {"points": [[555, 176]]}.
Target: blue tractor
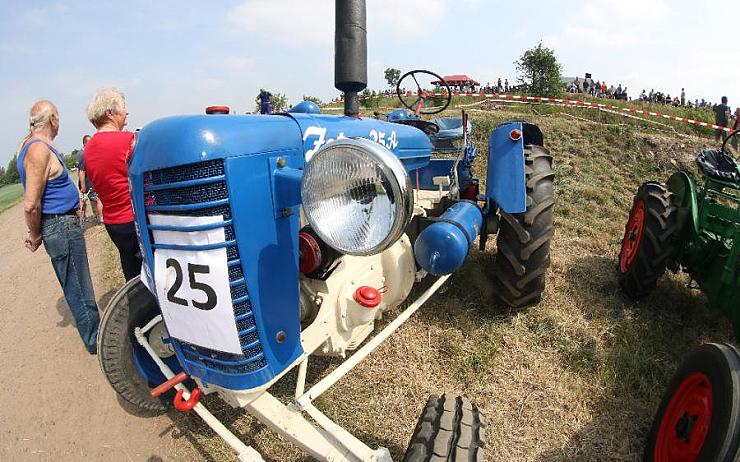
{"points": [[271, 239]]}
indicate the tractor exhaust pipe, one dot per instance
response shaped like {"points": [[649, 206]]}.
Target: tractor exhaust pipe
{"points": [[350, 52]]}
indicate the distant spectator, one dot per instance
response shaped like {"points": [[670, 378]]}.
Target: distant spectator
{"points": [[603, 88], [736, 127], [86, 186], [506, 85], [721, 113], [683, 97], [265, 103]]}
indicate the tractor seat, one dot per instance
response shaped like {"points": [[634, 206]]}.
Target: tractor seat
{"points": [[718, 165], [450, 128], [429, 128]]}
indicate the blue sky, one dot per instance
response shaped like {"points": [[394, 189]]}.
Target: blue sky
{"points": [[178, 57]]}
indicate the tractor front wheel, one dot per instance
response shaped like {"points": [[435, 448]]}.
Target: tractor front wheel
{"points": [[126, 364], [648, 241], [698, 419], [450, 429], [523, 242]]}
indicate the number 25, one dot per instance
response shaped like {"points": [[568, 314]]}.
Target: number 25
{"points": [[193, 269]]}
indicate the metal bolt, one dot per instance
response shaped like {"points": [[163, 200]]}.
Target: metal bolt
{"points": [[280, 337], [318, 300], [281, 162], [286, 212]]}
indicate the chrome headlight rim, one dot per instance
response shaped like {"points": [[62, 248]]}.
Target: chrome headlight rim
{"points": [[400, 183]]}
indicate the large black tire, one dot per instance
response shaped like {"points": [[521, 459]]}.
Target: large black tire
{"points": [[647, 246], [449, 429], [713, 371], [132, 306], [523, 240]]}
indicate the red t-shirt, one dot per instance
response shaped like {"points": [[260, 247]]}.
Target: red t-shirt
{"points": [[106, 155]]}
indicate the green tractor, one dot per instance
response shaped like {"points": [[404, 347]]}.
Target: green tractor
{"points": [[693, 226]]}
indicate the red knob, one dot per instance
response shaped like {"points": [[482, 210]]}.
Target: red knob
{"points": [[515, 135], [367, 296]]}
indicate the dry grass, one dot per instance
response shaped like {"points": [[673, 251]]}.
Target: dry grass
{"points": [[575, 378]]}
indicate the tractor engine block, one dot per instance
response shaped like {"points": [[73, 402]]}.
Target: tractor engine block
{"points": [[342, 313]]}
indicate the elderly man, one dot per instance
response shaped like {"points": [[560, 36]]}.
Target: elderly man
{"points": [[51, 203]]}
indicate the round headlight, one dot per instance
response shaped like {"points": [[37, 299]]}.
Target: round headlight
{"points": [[357, 196]]}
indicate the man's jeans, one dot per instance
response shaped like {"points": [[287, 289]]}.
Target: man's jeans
{"points": [[65, 244]]}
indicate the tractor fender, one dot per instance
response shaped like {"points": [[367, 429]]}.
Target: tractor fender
{"points": [[506, 180], [683, 187]]}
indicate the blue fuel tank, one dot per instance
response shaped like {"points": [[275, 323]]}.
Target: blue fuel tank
{"points": [[443, 246]]}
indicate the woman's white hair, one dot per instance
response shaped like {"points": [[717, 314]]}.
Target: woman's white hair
{"points": [[107, 99], [40, 119]]}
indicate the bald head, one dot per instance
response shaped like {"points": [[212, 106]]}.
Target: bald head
{"points": [[41, 117]]}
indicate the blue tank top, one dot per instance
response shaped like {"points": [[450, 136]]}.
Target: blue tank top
{"points": [[60, 194]]}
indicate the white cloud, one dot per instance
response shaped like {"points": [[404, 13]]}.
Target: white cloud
{"points": [[311, 22], [407, 18], [239, 63], [590, 38], [292, 22]]}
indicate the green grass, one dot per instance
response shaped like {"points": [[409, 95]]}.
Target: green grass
{"points": [[10, 195]]}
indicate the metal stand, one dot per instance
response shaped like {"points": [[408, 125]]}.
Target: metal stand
{"points": [[324, 440]]}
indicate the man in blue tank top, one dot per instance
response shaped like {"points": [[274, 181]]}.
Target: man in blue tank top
{"points": [[51, 202]]}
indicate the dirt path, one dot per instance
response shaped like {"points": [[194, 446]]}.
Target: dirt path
{"points": [[55, 403]]}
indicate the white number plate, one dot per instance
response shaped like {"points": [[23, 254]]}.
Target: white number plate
{"points": [[193, 286]]}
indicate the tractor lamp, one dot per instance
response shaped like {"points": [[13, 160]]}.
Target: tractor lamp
{"points": [[357, 196]]}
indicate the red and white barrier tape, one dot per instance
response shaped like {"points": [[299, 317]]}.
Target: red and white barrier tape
{"points": [[577, 103]]}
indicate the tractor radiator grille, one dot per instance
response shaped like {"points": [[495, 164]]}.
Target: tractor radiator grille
{"points": [[200, 190]]}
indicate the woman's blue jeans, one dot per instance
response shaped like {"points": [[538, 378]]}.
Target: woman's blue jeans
{"points": [[65, 244]]}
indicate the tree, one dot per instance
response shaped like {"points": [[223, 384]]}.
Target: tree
{"points": [[368, 99], [11, 173], [312, 98], [2, 175], [539, 72], [71, 160], [391, 76]]}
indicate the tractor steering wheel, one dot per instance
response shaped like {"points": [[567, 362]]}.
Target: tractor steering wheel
{"points": [[421, 95]]}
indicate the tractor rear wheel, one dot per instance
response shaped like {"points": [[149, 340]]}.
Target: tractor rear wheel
{"points": [[126, 365], [523, 240], [698, 419], [648, 241], [450, 428]]}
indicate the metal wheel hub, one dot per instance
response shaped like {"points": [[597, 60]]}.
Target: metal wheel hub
{"points": [[159, 341]]}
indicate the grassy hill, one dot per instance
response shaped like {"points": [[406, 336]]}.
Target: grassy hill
{"points": [[575, 378]]}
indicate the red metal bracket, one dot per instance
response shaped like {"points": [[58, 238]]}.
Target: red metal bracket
{"points": [[181, 405], [166, 386]]}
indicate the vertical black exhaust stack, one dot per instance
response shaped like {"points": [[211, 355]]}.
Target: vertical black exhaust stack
{"points": [[350, 52]]}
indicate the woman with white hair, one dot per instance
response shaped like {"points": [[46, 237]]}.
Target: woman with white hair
{"points": [[106, 163]]}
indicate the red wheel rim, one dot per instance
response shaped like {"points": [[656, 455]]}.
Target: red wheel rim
{"points": [[632, 236], [685, 423]]}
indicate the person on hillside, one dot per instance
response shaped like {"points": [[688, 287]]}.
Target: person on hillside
{"points": [[86, 186], [603, 88], [736, 127], [265, 102], [683, 97], [106, 161], [51, 202], [506, 85], [721, 117]]}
